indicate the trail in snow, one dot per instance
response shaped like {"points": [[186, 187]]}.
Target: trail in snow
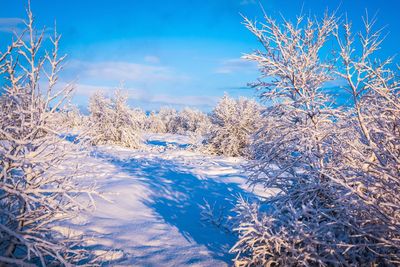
{"points": [[157, 197]]}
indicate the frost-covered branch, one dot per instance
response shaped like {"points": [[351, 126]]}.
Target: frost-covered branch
{"points": [[35, 194], [111, 121], [336, 168]]}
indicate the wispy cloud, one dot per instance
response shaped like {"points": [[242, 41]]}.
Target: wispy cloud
{"points": [[87, 90], [247, 2], [185, 100], [152, 59], [236, 65], [146, 98], [117, 71], [11, 25], [339, 82], [17, 26], [146, 85]]}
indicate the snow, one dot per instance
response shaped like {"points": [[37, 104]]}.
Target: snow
{"points": [[155, 199]]}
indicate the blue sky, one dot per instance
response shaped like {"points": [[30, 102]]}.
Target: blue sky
{"points": [[178, 53]]}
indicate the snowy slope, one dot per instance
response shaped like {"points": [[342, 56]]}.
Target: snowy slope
{"points": [[157, 201]]}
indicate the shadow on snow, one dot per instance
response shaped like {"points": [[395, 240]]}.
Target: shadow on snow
{"points": [[178, 197]]}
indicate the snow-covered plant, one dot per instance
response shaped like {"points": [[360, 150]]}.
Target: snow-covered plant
{"points": [[298, 119], [68, 118], [34, 193], [366, 163], [289, 149], [168, 116], [154, 123], [140, 117], [336, 169], [111, 121], [190, 120], [73, 118], [233, 123], [214, 215]]}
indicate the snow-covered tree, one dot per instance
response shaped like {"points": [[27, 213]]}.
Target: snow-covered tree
{"points": [[111, 121], [234, 121], [140, 117], [154, 123], [289, 150], [186, 121], [190, 120], [367, 152], [34, 193], [168, 115], [335, 168], [69, 118]]}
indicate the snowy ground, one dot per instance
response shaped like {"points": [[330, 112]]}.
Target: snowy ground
{"points": [[158, 198]]}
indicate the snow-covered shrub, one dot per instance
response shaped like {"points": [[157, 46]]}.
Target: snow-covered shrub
{"points": [[68, 118], [111, 121], [187, 121], [367, 151], [34, 193], [290, 152], [190, 120], [168, 116], [336, 169], [73, 118], [154, 123], [233, 123], [140, 117]]}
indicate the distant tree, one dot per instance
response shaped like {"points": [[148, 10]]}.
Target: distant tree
{"points": [[69, 118], [187, 121], [233, 124], [140, 117], [35, 194], [190, 120], [111, 121], [168, 116], [154, 123]]}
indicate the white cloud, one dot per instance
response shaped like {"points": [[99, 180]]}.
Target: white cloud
{"points": [[247, 2], [185, 100], [145, 96], [236, 65], [146, 85], [17, 26], [87, 90], [11, 25], [152, 59], [339, 82], [118, 71]]}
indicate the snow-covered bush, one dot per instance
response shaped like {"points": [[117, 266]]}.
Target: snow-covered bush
{"points": [[367, 151], [68, 118], [140, 117], [336, 169], [154, 123], [168, 115], [34, 193], [111, 121], [190, 120], [187, 121], [233, 123]]}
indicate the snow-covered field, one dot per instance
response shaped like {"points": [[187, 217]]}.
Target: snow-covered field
{"points": [[157, 213]]}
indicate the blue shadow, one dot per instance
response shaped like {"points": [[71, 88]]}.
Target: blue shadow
{"points": [[177, 197]]}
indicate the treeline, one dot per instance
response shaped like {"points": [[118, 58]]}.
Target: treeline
{"points": [[227, 130]]}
